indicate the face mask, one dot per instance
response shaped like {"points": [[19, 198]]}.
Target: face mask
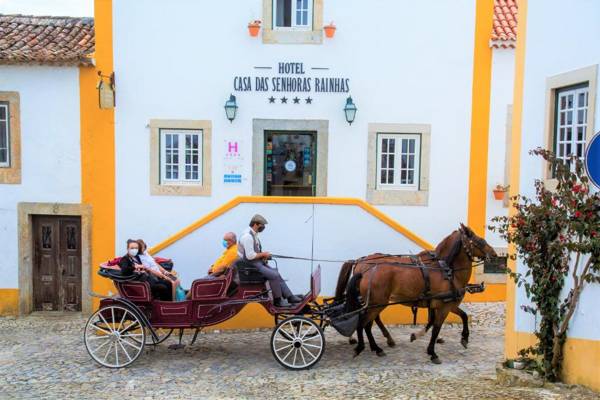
{"points": [[133, 252], [225, 244], [261, 228]]}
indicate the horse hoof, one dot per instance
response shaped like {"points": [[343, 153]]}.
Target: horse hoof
{"points": [[358, 350], [436, 360], [440, 341], [413, 337], [391, 343], [352, 341], [380, 353], [465, 343]]}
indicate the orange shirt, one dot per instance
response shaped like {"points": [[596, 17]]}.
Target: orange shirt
{"points": [[225, 260]]}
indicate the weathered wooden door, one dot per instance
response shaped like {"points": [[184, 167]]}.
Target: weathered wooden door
{"points": [[57, 263]]}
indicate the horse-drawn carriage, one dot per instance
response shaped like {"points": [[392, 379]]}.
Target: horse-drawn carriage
{"points": [[115, 335]]}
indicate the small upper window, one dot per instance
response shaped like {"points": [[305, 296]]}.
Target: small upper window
{"points": [[4, 135], [293, 14], [571, 110], [398, 161], [181, 156]]}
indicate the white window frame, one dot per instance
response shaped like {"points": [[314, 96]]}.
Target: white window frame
{"points": [[182, 153], [294, 25], [577, 127], [6, 122], [397, 166]]}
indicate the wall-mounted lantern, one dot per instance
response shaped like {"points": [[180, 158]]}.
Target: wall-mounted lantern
{"points": [[350, 110], [106, 90], [231, 108]]}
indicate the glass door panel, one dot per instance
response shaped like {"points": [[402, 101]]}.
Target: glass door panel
{"points": [[290, 163]]}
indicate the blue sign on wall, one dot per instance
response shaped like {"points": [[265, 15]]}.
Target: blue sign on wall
{"points": [[592, 160]]}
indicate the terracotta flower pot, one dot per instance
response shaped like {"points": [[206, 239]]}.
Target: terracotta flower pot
{"points": [[253, 29], [329, 30], [499, 194]]}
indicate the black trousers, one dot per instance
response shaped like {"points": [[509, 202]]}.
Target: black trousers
{"points": [[161, 288]]}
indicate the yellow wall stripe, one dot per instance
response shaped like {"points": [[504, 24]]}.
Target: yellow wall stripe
{"points": [[511, 342], [480, 116], [98, 147], [291, 200]]}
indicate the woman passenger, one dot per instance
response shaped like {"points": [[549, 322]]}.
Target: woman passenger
{"points": [[152, 267], [131, 262]]}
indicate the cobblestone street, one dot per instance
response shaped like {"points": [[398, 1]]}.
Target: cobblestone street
{"points": [[44, 357]]}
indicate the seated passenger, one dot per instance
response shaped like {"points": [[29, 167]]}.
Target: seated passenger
{"points": [[225, 260], [131, 262], [250, 251], [228, 256], [152, 267]]}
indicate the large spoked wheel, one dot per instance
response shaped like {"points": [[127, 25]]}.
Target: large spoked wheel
{"points": [[297, 343], [114, 336]]}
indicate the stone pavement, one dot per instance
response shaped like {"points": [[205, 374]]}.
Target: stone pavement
{"points": [[44, 357]]}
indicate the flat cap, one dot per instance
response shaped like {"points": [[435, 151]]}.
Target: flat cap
{"points": [[258, 219]]}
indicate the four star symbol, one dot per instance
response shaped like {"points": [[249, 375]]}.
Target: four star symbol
{"points": [[284, 100]]}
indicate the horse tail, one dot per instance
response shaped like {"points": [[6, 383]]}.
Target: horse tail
{"points": [[343, 280], [353, 292]]}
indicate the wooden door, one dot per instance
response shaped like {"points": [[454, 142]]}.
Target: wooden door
{"points": [[57, 263]]}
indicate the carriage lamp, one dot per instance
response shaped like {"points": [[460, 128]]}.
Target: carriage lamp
{"points": [[350, 110], [231, 108]]}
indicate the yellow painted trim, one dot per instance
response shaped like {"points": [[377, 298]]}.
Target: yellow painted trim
{"points": [[10, 302], [480, 117], [511, 345], [98, 149], [291, 200]]}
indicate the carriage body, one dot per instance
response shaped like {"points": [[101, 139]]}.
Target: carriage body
{"points": [[212, 301]]}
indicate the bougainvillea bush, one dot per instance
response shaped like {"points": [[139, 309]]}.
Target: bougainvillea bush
{"points": [[556, 235]]}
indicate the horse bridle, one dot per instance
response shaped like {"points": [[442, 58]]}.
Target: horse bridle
{"points": [[473, 241]]}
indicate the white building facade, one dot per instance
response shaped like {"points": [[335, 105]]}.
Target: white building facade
{"points": [[168, 164]]}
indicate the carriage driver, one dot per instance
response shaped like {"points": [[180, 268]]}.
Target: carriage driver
{"points": [[250, 251]]}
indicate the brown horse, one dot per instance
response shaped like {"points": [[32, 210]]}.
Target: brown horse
{"points": [[340, 295], [381, 279]]}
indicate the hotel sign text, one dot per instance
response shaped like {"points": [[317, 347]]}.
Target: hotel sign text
{"points": [[292, 77]]}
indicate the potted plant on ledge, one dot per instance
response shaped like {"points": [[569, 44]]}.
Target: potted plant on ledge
{"points": [[329, 30], [499, 191], [254, 27]]}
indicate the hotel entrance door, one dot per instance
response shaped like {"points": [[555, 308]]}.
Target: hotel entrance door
{"points": [[290, 163]]}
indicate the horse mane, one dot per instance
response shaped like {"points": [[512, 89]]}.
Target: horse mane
{"points": [[454, 249]]}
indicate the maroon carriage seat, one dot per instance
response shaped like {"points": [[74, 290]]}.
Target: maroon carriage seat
{"points": [[135, 291], [213, 288]]}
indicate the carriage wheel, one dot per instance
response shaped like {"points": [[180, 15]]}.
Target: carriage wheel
{"points": [[297, 343], [114, 336]]}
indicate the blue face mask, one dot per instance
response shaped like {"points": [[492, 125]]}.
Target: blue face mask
{"points": [[225, 244]]}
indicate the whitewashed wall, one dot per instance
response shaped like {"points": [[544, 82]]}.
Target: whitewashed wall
{"points": [[407, 61], [503, 73], [551, 50], [341, 232], [50, 150]]}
